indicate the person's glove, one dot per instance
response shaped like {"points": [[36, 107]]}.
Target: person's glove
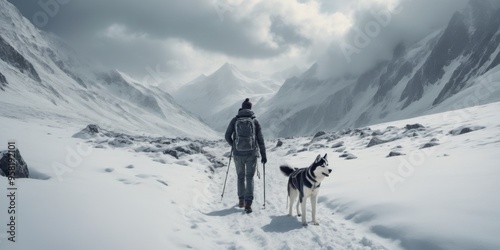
{"points": [[264, 160]]}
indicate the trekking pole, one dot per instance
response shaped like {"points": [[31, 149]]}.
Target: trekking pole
{"points": [[264, 169], [227, 172]]}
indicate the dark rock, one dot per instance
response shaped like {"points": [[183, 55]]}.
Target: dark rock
{"points": [[429, 145], [348, 156], [434, 140], [3, 81], [90, 131], [20, 167], [215, 162], [395, 153], [109, 170], [362, 132], [11, 56], [190, 149], [302, 150], [120, 142], [377, 132], [172, 153], [338, 144], [320, 133], [377, 141], [414, 126], [465, 130], [279, 144]]}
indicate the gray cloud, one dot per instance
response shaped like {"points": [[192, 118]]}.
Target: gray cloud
{"points": [[210, 26], [383, 31], [184, 38]]}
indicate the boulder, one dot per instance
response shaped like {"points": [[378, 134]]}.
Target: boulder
{"points": [[20, 166], [279, 144], [464, 130], [394, 153], [429, 145], [377, 141], [414, 126], [320, 133], [89, 132], [348, 156], [338, 144]]}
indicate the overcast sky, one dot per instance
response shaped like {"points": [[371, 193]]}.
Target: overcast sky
{"points": [[177, 40]]}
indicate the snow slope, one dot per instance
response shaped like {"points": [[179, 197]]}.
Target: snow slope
{"points": [[117, 191], [43, 78]]}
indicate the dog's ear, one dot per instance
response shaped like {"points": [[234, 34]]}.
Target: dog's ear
{"points": [[324, 156], [318, 158]]}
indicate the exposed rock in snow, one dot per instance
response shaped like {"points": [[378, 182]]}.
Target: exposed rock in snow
{"points": [[395, 153], [348, 156], [429, 145], [319, 133], [13, 164], [414, 126], [338, 144], [90, 131], [465, 129], [377, 141]]}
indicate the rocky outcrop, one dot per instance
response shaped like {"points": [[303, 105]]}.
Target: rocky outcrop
{"points": [[13, 164], [10, 55], [3, 81]]}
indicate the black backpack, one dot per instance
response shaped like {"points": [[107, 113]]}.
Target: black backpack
{"points": [[244, 128]]}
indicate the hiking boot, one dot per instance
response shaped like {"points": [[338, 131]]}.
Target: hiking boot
{"points": [[248, 206], [241, 204]]}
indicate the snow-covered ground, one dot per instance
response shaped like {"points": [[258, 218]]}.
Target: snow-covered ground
{"points": [[114, 191]]}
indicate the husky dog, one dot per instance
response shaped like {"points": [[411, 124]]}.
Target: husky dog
{"points": [[304, 183]]}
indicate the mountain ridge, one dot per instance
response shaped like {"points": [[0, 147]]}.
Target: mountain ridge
{"points": [[418, 78]]}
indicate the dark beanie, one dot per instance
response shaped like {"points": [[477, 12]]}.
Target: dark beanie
{"points": [[246, 104]]}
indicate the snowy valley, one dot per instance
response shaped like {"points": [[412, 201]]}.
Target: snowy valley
{"points": [[117, 191], [117, 164]]}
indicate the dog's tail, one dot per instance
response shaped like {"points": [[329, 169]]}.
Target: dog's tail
{"points": [[287, 170]]}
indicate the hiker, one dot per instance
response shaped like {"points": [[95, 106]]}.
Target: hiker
{"points": [[244, 134]]}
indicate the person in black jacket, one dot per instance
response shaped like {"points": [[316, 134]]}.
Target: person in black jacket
{"points": [[245, 151]]}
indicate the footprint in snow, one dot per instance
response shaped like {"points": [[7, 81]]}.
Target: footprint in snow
{"points": [[128, 182], [162, 182], [144, 176]]}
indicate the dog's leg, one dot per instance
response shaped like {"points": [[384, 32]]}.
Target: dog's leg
{"points": [[293, 196], [297, 207], [304, 211], [314, 201]]}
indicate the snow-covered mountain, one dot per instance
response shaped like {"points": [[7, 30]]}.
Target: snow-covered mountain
{"points": [[420, 78], [216, 98], [42, 78]]}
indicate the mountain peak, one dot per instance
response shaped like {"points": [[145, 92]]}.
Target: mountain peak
{"points": [[228, 67]]}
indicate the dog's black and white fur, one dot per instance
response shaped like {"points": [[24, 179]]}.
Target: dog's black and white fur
{"points": [[304, 183]]}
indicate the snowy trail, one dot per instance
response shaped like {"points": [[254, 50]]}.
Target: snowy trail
{"points": [[271, 227]]}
